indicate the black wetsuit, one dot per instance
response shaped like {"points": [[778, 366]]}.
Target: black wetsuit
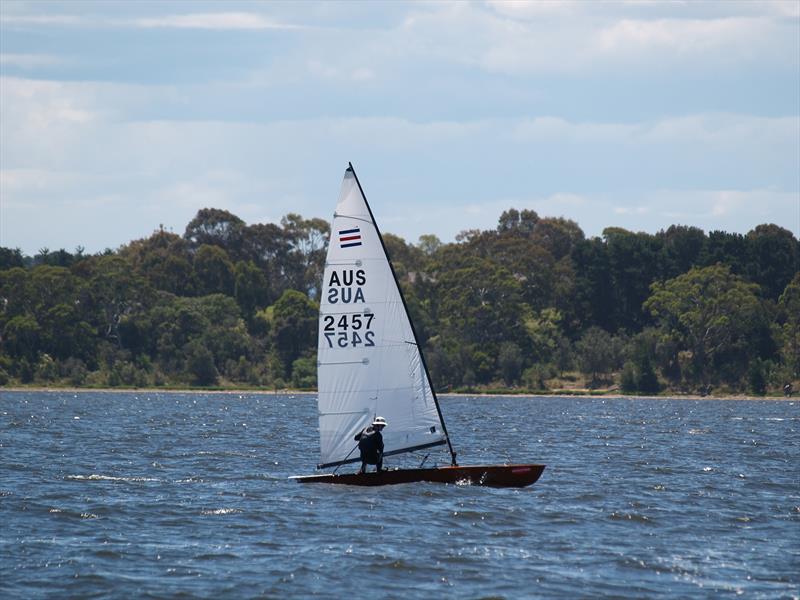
{"points": [[370, 444]]}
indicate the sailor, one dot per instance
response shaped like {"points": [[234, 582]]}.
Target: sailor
{"points": [[370, 444]]}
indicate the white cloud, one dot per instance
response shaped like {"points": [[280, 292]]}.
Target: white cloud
{"points": [[643, 9], [709, 130], [535, 10], [513, 38], [631, 210], [723, 40], [29, 61], [216, 20], [227, 21], [520, 38], [557, 129], [325, 70], [42, 20], [40, 114], [715, 208]]}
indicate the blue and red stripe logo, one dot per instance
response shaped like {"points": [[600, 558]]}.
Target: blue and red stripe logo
{"points": [[350, 237]]}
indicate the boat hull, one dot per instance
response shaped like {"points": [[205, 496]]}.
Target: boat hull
{"points": [[488, 475]]}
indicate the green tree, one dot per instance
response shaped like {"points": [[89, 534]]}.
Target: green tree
{"points": [[429, 244], [529, 263], [593, 303], [682, 248], [213, 271], [200, 364], [164, 259], [309, 242], [709, 312], [405, 258], [628, 378], [294, 328], [270, 248], [21, 337], [546, 338], [757, 375], [10, 258], [216, 227], [65, 333], [521, 222], [731, 249], [114, 292], [558, 236], [251, 289], [642, 352], [647, 380], [789, 306], [49, 286], [775, 258], [15, 294], [481, 303], [509, 362], [596, 354], [634, 262], [304, 373]]}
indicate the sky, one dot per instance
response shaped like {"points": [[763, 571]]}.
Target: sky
{"points": [[120, 117]]}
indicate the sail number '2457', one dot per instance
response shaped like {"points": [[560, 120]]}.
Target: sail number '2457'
{"points": [[349, 330]]}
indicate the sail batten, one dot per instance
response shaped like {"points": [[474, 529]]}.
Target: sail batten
{"points": [[369, 361]]}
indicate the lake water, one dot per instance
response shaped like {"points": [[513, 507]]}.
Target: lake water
{"points": [[170, 494]]}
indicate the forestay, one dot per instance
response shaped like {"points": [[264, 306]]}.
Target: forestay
{"points": [[369, 363]]}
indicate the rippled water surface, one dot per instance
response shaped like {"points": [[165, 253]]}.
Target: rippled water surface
{"points": [[167, 494]]}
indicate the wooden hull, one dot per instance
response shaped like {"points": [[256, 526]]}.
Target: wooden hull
{"points": [[488, 475]]}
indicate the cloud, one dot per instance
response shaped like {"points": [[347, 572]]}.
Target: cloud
{"points": [[68, 125], [550, 37], [711, 130], [714, 208], [40, 114], [217, 20], [324, 70], [31, 61], [42, 20], [631, 210], [723, 40], [642, 9], [497, 38], [226, 21]]}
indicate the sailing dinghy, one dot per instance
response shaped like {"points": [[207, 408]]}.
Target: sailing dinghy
{"points": [[370, 363]]}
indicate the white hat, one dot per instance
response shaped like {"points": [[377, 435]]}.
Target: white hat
{"points": [[379, 421]]}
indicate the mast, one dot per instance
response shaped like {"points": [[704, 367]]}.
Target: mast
{"points": [[411, 323]]}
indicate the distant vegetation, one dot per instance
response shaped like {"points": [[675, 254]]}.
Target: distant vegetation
{"points": [[529, 305]]}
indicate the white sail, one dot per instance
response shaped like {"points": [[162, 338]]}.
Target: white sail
{"points": [[368, 360]]}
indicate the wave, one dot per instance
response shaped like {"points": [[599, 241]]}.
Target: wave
{"points": [[220, 511], [635, 517], [96, 477]]}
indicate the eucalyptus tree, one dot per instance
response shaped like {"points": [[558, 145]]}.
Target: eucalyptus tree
{"points": [[712, 314]]}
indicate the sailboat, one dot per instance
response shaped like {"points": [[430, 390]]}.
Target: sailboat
{"points": [[370, 363]]}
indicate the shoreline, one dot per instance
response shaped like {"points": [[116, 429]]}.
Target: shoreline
{"points": [[263, 392]]}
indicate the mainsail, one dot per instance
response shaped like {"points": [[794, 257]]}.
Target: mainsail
{"points": [[369, 362]]}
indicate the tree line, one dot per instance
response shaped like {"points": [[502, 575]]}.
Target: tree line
{"points": [[531, 304]]}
